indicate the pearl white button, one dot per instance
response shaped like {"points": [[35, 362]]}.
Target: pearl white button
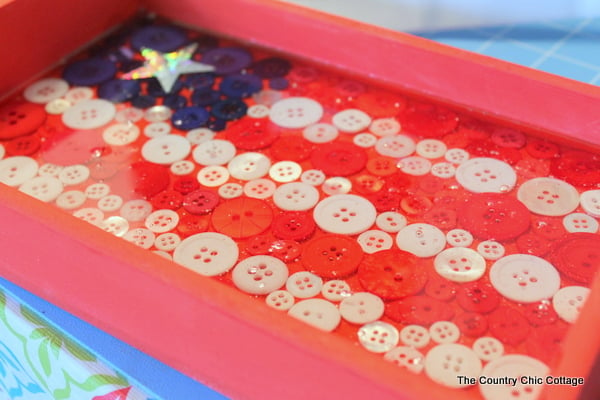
{"points": [[281, 300], [158, 114], [46, 90], [317, 313], [115, 225], [567, 302], [141, 237], [162, 221], [285, 171], [445, 362], [456, 156], [295, 112], [248, 166], [486, 175], [166, 149], [320, 133], [515, 366], [167, 241], [156, 129], [259, 188], [313, 177], [136, 210], [96, 191], [415, 336], [214, 152], [74, 175], [304, 284], [378, 337], [390, 221], [231, 190], [77, 94], [548, 196], [89, 114], [336, 185], [488, 348], [90, 215], [129, 115], [444, 332], [422, 240], [200, 135], [260, 275], [490, 250], [121, 134], [182, 167], [416, 166], [406, 357], [590, 202], [213, 176], [44, 188], [336, 290], [15, 171], [345, 214], [443, 170], [364, 140], [459, 238], [351, 120], [396, 146], [361, 308], [579, 222], [110, 203], [207, 253], [71, 200], [385, 127], [431, 148], [372, 241], [296, 196]]}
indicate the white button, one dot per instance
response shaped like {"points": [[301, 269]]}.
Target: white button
{"points": [[49, 170], [214, 152], [158, 114], [362, 308], [373, 241], [336, 185], [200, 135], [74, 174], [460, 264], [488, 348], [378, 337], [213, 176], [431, 148], [390, 221], [207, 253], [231, 190], [110, 203], [44, 188], [486, 175], [90, 215], [415, 336], [80, 93], [89, 114], [320, 133], [167, 241], [444, 332], [416, 166], [71, 200], [15, 171], [136, 210], [396, 146], [260, 274], [296, 196], [182, 167], [304, 284], [445, 362], [422, 240], [456, 156], [336, 290], [46, 90], [317, 313], [345, 214], [590, 202], [248, 166], [141, 237], [443, 170], [121, 134], [385, 126], [281, 300], [351, 120], [524, 278], [459, 238], [579, 222], [567, 302], [513, 366], [548, 196], [2, 151], [295, 112], [364, 140], [285, 171], [166, 149], [258, 111], [406, 357], [96, 191], [162, 221], [313, 177], [115, 225], [57, 106], [156, 129], [129, 115], [490, 250], [259, 188]]}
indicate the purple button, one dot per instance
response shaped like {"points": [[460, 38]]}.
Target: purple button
{"points": [[89, 72], [161, 38], [227, 60]]}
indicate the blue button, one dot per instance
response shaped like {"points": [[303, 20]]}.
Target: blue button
{"points": [[227, 60], [278, 83], [118, 90], [272, 67], [189, 118], [204, 99], [240, 85], [89, 72], [175, 101], [161, 38], [200, 82], [216, 124], [143, 101], [229, 109]]}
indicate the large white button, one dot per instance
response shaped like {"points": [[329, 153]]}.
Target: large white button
{"points": [[590, 202], [44, 188], [281, 300], [15, 171], [295, 112], [74, 174], [385, 127], [378, 337], [396, 146], [351, 120], [422, 240], [248, 166], [362, 308], [460, 264], [260, 274], [317, 313], [390, 221], [431, 148], [336, 290], [46, 90], [373, 241], [486, 175], [580, 222], [259, 188], [490, 250], [406, 357], [161, 221], [89, 114], [524, 278], [166, 149], [444, 332], [415, 336], [207, 253], [285, 171], [320, 133], [548, 196], [513, 366], [71, 200], [416, 166], [141, 237], [213, 176], [567, 302], [214, 152], [345, 214], [296, 196], [446, 362], [304, 284], [488, 348], [121, 134]]}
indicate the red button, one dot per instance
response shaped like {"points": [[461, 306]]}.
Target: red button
{"points": [[186, 184], [286, 250], [471, 324], [508, 325], [440, 288], [17, 119], [259, 245], [540, 313], [392, 274], [505, 137], [478, 297], [292, 148], [382, 166], [579, 168], [542, 149], [339, 158], [532, 243], [167, 199], [428, 120], [23, 145], [73, 147], [385, 200], [493, 216], [293, 225], [367, 184], [545, 341], [548, 227], [577, 256], [416, 204], [332, 256], [485, 148], [191, 224], [442, 217], [380, 104], [200, 201], [242, 217], [251, 134], [431, 184], [418, 310]]}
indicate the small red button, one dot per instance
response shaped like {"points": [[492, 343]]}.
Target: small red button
{"points": [[508, 325], [442, 217], [332, 256], [200, 201], [23, 145], [540, 313], [428, 120], [292, 148], [532, 243], [471, 324], [186, 184], [286, 250], [17, 119], [547, 227], [339, 158], [191, 224], [251, 133], [542, 149], [242, 217], [386, 200], [367, 184], [440, 288], [382, 166], [485, 148], [418, 310], [293, 225], [579, 168], [478, 297]]}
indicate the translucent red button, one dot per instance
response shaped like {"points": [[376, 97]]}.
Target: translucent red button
{"points": [[418, 310], [242, 217], [293, 225], [339, 158], [332, 256], [577, 256], [17, 119]]}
